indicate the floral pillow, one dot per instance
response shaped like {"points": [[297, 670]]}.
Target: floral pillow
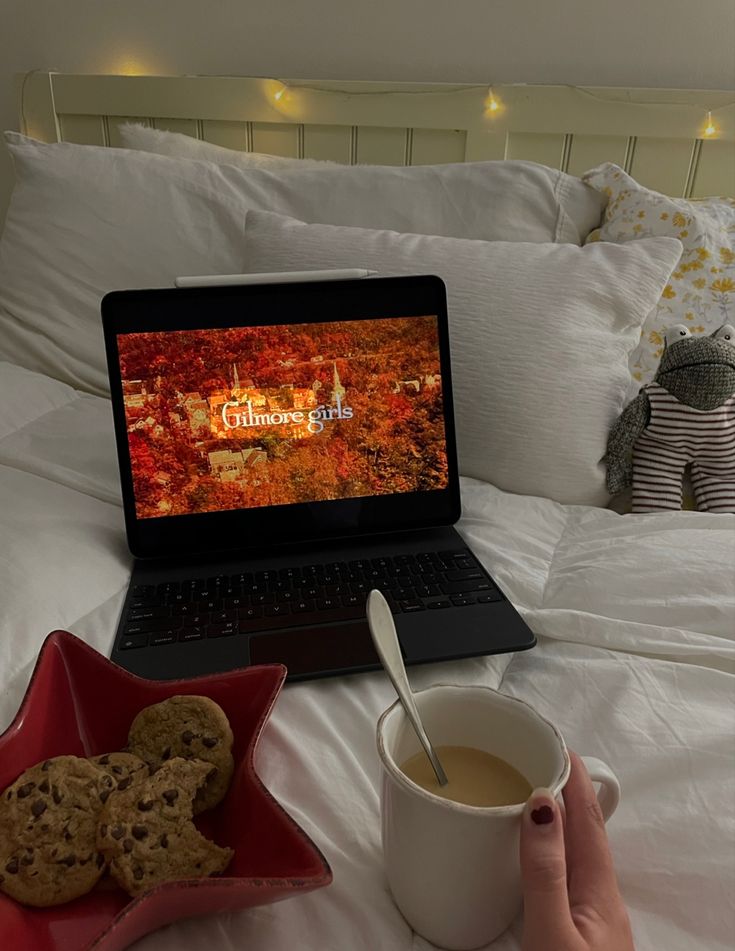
{"points": [[701, 291]]}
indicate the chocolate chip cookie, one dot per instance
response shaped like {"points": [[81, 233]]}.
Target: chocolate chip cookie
{"points": [[119, 771], [147, 835], [48, 829], [192, 728]]}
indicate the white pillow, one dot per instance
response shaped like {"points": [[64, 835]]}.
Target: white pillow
{"points": [[528, 202], [540, 338], [174, 144], [84, 220]]}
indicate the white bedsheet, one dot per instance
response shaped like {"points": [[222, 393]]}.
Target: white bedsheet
{"points": [[636, 623]]}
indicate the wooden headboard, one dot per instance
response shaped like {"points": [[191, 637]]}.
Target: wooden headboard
{"points": [[658, 135]]}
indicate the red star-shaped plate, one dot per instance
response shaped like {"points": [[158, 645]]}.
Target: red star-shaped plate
{"points": [[79, 703]]}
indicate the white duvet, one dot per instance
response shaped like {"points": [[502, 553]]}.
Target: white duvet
{"points": [[635, 617]]}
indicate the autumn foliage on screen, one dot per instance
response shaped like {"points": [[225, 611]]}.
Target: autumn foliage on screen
{"points": [[253, 416]]}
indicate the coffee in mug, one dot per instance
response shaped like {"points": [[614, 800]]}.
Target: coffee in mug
{"points": [[453, 868], [475, 777]]}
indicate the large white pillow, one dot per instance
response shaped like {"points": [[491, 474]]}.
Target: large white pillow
{"points": [[136, 136], [528, 202], [540, 338], [85, 220]]}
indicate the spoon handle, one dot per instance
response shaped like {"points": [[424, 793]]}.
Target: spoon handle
{"points": [[385, 639]]}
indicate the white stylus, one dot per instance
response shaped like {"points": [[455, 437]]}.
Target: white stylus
{"points": [[275, 277]]}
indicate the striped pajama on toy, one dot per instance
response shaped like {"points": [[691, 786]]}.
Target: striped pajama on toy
{"points": [[676, 435]]}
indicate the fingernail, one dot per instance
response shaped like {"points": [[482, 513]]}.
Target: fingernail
{"points": [[541, 806], [543, 815]]}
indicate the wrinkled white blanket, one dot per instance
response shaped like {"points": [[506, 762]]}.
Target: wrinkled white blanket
{"points": [[636, 623]]}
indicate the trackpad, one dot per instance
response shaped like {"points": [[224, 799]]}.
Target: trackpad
{"points": [[311, 650]]}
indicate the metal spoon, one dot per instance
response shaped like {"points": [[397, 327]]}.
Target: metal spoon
{"points": [[385, 639]]}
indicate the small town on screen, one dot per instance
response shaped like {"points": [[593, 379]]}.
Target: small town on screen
{"points": [[274, 415]]}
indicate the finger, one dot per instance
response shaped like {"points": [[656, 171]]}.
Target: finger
{"points": [[546, 914], [590, 867]]}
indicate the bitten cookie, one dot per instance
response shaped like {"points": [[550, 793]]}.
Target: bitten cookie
{"points": [[147, 835], [190, 727], [119, 771], [48, 829]]}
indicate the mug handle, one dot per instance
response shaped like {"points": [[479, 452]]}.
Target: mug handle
{"points": [[609, 792]]}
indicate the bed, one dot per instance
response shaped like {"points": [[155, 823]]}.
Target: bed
{"points": [[634, 614]]}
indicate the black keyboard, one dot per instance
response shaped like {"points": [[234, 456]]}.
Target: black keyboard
{"points": [[253, 602]]}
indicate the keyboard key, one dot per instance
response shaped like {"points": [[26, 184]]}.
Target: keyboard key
{"points": [[249, 614], [360, 564], [280, 584], [494, 595], [467, 575], [427, 590], [302, 607], [311, 591], [148, 626], [131, 641], [410, 607], [267, 598], [196, 629], [275, 610], [230, 591], [159, 640], [193, 620], [290, 573], [461, 587], [223, 630], [286, 597], [430, 578], [143, 591], [168, 587], [178, 597], [219, 617], [436, 605], [460, 600], [144, 614], [403, 594], [263, 577], [191, 634], [245, 577]]}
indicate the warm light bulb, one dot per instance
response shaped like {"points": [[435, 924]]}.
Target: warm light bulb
{"points": [[279, 95], [493, 106], [710, 129]]}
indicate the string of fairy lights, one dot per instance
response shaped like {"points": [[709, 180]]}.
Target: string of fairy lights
{"points": [[494, 106]]}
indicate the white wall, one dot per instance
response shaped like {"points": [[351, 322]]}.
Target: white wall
{"points": [[664, 43]]}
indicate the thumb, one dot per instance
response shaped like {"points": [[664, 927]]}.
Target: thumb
{"points": [[547, 921]]}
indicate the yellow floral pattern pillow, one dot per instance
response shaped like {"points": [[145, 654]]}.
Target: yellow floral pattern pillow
{"points": [[701, 291]]}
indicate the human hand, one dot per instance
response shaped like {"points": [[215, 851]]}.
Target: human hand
{"points": [[571, 900]]}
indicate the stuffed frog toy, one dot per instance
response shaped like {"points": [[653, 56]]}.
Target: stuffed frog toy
{"points": [[685, 417]]}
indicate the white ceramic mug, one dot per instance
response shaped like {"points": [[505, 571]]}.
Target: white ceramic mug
{"points": [[453, 869]]}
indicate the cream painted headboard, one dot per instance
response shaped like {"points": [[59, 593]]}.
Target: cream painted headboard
{"points": [[658, 135]]}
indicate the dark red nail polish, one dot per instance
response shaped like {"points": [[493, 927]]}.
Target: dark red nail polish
{"points": [[542, 815]]}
